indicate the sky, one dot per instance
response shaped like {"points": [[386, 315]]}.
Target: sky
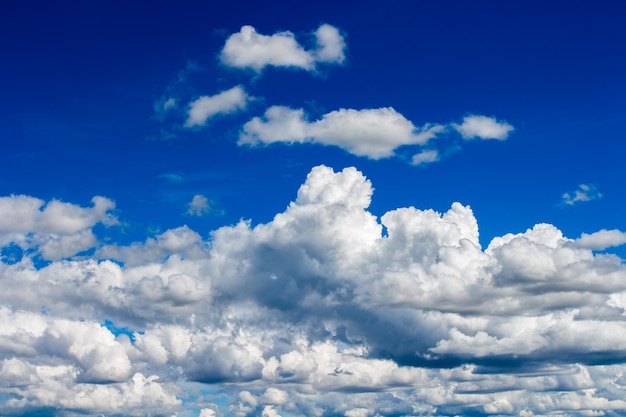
{"points": [[357, 209]]}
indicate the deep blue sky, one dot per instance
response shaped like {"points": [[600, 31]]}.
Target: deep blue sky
{"points": [[79, 80]]}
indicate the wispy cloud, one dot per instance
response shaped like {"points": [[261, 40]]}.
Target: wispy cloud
{"points": [[585, 192], [425, 157], [205, 107], [249, 49]]}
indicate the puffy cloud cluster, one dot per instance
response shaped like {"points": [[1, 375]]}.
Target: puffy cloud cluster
{"points": [[326, 310], [56, 229], [372, 132], [249, 49]]}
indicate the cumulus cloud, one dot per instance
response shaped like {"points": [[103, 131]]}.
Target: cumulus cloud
{"points": [[585, 192], [249, 49], [483, 127], [205, 107], [198, 206], [374, 133], [55, 229], [326, 309]]}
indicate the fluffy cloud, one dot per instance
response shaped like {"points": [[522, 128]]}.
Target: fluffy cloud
{"points": [[483, 127], [585, 192], [198, 205], [601, 240], [374, 133], [205, 107], [325, 310], [249, 49], [56, 229]]}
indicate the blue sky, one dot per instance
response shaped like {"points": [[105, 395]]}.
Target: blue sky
{"points": [[161, 160]]}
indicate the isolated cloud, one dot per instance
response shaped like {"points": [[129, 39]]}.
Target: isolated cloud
{"points": [[324, 310], [249, 49], [483, 127], [198, 206], [425, 157], [205, 107], [374, 133], [585, 192]]}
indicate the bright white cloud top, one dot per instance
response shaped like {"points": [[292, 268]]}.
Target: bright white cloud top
{"points": [[417, 321], [374, 133], [249, 49]]}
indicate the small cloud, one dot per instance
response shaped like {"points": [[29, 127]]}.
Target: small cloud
{"points": [[169, 103], [249, 49], [330, 45], [172, 177], [168, 100], [425, 157], [483, 127], [198, 206], [163, 105], [205, 107], [585, 192]]}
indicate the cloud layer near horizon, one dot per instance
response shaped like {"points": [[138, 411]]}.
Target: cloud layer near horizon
{"points": [[325, 310]]}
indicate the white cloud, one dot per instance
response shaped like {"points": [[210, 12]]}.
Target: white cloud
{"points": [[57, 229], [316, 312], [330, 45], [425, 157], [585, 192], [601, 239], [198, 206], [205, 107], [181, 240], [483, 127], [249, 49], [375, 133]]}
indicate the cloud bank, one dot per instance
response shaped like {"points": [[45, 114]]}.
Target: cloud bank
{"points": [[248, 49], [326, 310]]}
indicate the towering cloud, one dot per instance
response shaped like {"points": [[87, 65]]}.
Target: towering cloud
{"points": [[325, 310]]}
